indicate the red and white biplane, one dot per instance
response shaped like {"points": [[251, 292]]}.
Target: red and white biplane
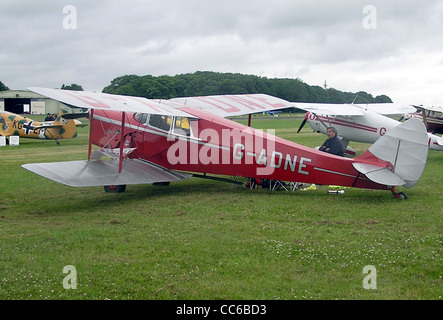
{"points": [[143, 141]]}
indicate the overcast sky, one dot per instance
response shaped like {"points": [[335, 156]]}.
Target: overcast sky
{"points": [[381, 47]]}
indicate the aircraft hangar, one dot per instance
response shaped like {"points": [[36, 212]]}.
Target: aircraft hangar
{"points": [[27, 102]]}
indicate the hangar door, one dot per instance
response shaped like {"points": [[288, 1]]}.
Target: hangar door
{"points": [[18, 105]]}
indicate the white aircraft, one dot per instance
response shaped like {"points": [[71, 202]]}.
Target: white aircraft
{"points": [[358, 122]]}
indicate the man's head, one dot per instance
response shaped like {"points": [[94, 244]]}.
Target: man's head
{"points": [[331, 132]]}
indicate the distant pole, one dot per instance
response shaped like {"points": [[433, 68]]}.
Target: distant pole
{"points": [[325, 85]]}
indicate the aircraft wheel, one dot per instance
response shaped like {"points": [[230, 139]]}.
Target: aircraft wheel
{"points": [[402, 195], [115, 189]]}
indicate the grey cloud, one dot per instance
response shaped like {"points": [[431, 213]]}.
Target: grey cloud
{"points": [[269, 38]]}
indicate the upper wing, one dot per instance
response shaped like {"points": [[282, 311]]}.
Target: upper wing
{"points": [[354, 109], [330, 108], [436, 109], [235, 105], [388, 108], [221, 105], [104, 101]]}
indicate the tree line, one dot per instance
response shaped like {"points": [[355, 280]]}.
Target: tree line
{"points": [[204, 83]]}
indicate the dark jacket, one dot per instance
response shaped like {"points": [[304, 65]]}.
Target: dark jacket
{"points": [[335, 146]]}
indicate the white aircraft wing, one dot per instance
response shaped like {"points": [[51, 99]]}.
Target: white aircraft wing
{"points": [[220, 105], [235, 105], [84, 173], [436, 109], [334, 109], [388, 108], [104, 101], [337, 109]]}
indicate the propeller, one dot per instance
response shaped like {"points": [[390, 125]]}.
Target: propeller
{"points": [[303, 122]]}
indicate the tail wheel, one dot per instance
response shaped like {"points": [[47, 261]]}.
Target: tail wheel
{"points": [[402, 195], [399, 195], [115, 189]]}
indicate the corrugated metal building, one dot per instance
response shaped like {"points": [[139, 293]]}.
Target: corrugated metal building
{"points": [[24, 101]]}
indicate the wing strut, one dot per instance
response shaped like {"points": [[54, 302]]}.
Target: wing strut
{"points": [[425, 119], [321, 121], [91, 118], [122, 142]]}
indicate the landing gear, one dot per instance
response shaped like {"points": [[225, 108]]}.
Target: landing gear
{"points": [[399, 195], [115, 189]]}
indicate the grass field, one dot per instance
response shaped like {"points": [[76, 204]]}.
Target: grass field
{"points": [[203, 239]]}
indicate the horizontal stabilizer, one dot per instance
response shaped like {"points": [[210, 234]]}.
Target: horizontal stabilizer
{"points": [[85, 173], [47, 125], [379, 174]]}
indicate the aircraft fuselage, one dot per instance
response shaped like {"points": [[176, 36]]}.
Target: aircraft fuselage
{"points": [[215, 145]]}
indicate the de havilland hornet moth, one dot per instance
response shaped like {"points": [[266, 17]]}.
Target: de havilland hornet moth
{"points": [[143, 141], [358, 122], [63, 127]]}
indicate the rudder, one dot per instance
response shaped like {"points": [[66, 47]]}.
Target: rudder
{"points": [[405, 148]]}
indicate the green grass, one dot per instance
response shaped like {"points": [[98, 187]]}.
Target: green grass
{"points": [[201, 239]]}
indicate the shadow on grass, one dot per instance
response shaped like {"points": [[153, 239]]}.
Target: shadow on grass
{"points": [[196, 190]]}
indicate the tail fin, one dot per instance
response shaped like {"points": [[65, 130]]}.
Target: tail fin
{"points": [[68, 128], [405, 148]]}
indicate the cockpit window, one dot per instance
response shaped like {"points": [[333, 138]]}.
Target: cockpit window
{"points": [[182, 127], [141, 117], [159, 121]]}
